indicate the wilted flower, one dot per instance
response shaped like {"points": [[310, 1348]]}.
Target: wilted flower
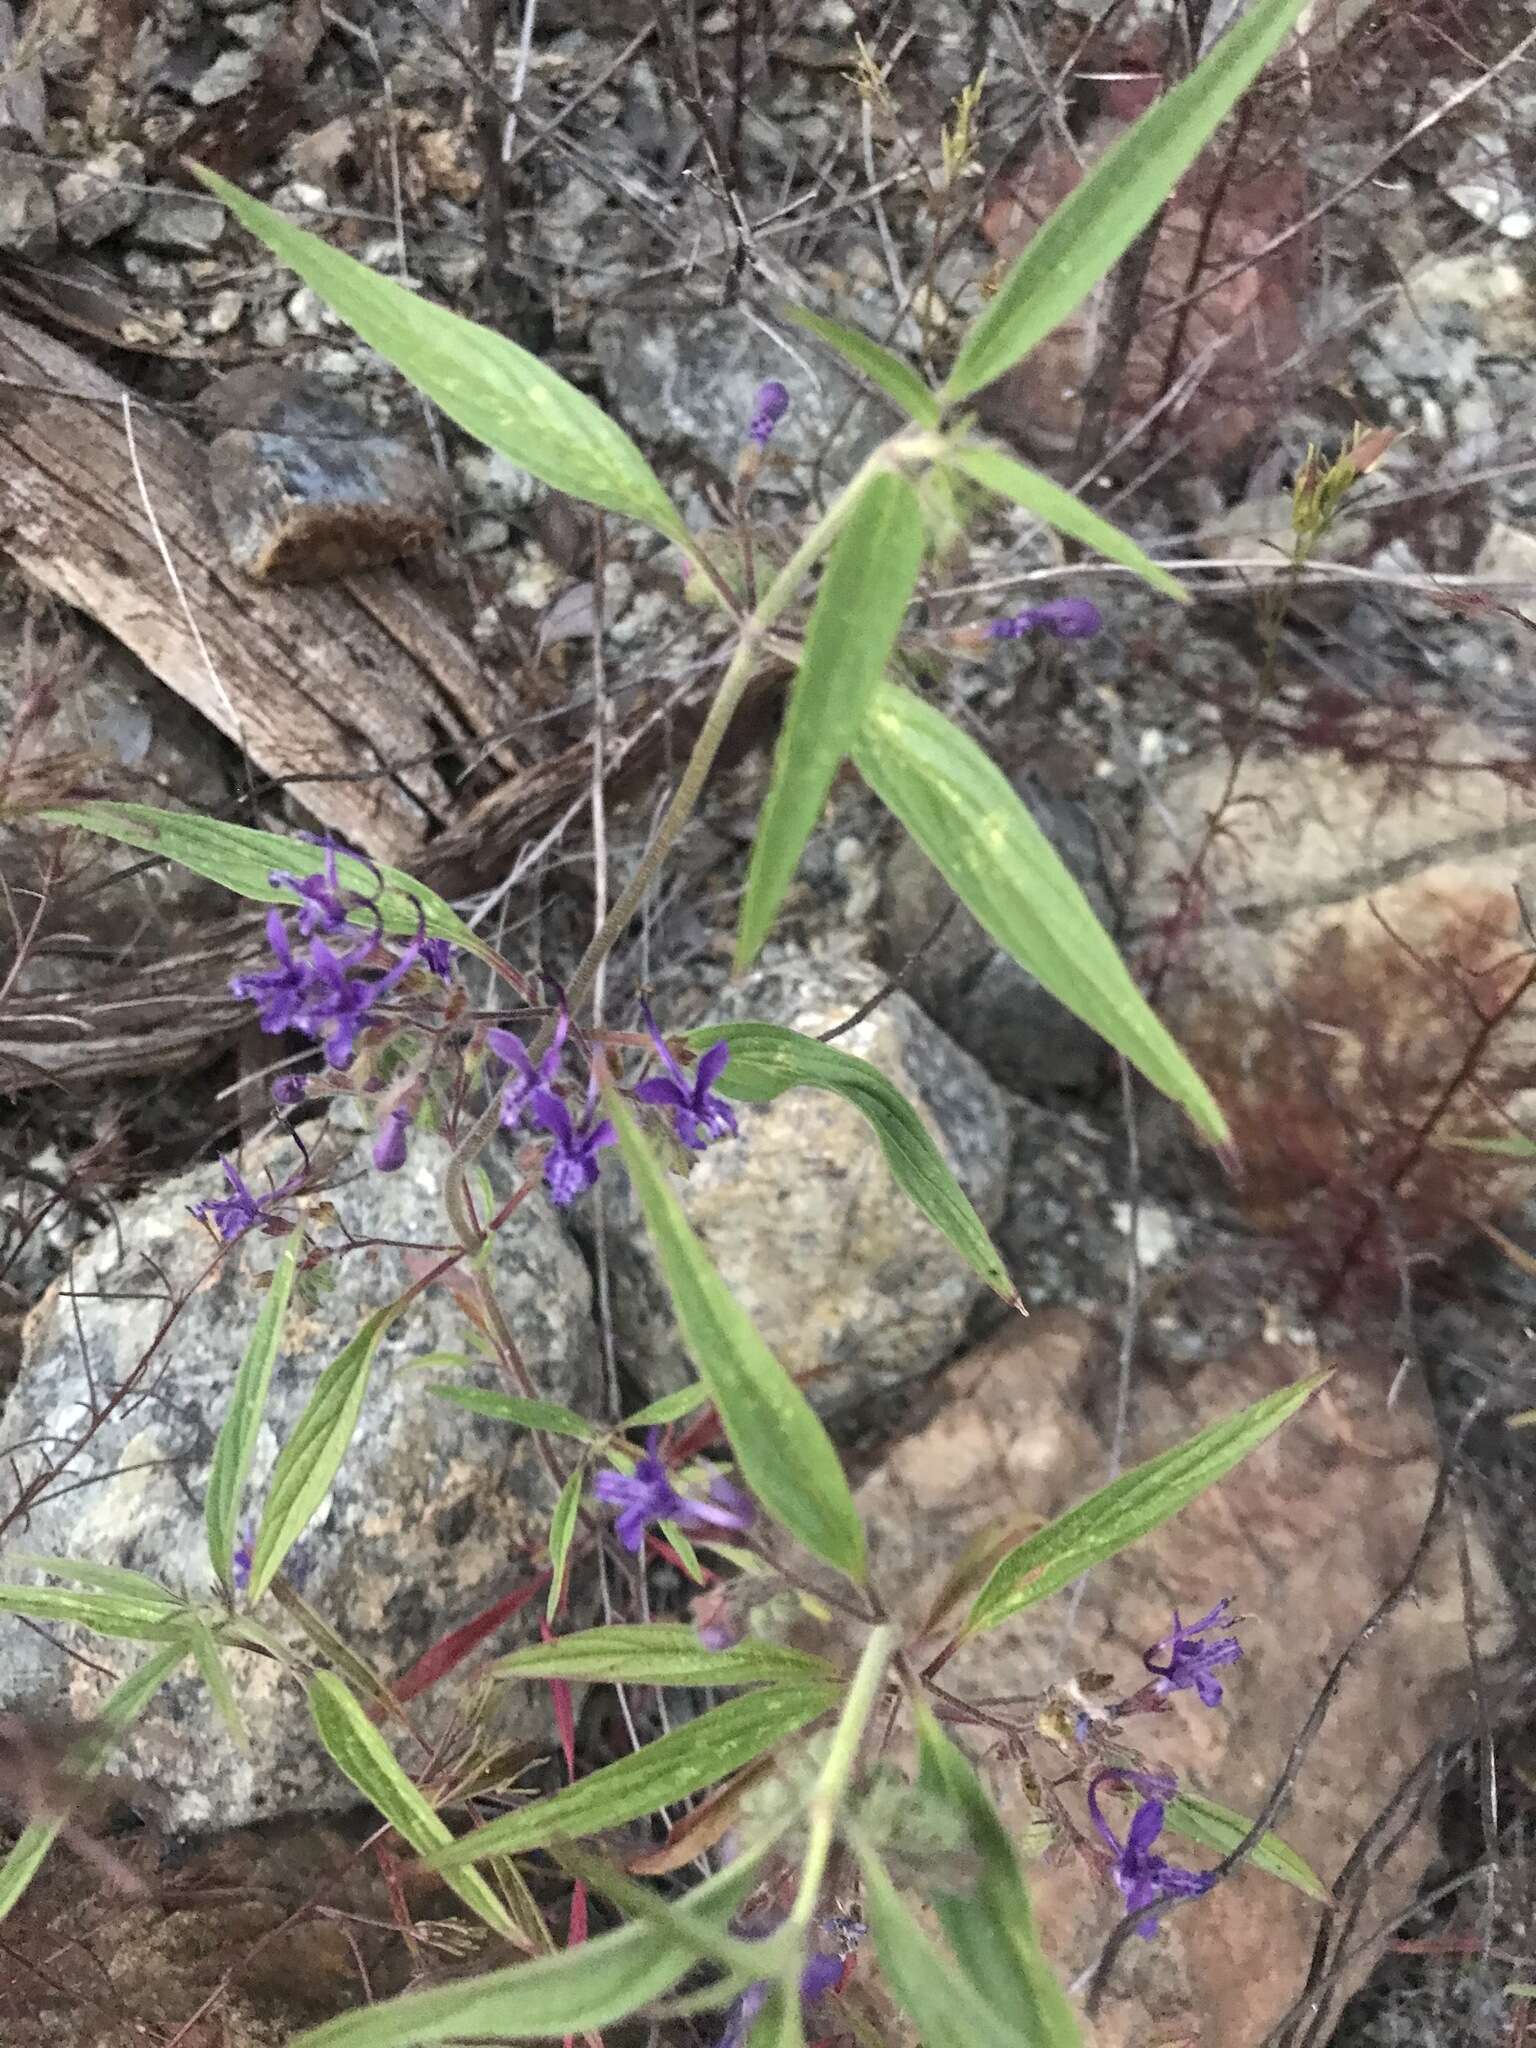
{"points": [[232, 1215], [647, 1495], [571, 1163], [1065, 618], [1144, 1879], [1190, 1661], [768, 408], [392, 1138], [698, 1114]]}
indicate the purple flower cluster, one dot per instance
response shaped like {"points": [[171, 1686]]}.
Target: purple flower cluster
{"points": [[1064, 618], [647, 1495], [331, 992], [836, 1939], [1144, 1879]]}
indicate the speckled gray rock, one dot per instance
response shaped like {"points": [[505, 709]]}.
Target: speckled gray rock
{"points": [[982, 997], [29, 222], [105, 194], [429, 1518], [841, 1274], [692, 380]]}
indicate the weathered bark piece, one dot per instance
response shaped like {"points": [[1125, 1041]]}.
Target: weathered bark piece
{"points": [[350, 691]]}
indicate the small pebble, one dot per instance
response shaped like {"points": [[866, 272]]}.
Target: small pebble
{"points": [[230, 72], [29, 222], [180, 221], [224, 313]]}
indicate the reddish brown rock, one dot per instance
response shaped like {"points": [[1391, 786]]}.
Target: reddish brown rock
{"points": [[1287, 1536]]}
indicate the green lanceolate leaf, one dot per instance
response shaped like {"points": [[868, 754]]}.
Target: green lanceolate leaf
{"points": [[575, 1992], [784, 1453], [134, 1619], [211, 1668], [237, 1438], [897, 379], [1097, 223], [669, 1407], [357, 1747], [661, 1653], [1121, 1513], [1058, 508], [768, 1058], [312, 1456], [562, 1527], [863, 596], [548, 1415], [495, 390], [991, 1924], [1218, 1827], [83, 1763], [970, 821], [704, 1752], [948, 2010], [241, 859], [105, 1578]]}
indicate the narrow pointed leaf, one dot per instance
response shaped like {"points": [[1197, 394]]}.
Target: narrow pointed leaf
{"points": [[991, 1924], [562, 1527], [675, 1767], [661, 1653], [574, 1992], [312, 1456], [1092, 229], [1061, 509], [212, 1670], [766, 1059], [236, 1446], [1219, 1828], [134, 1619], [669, 1407], [948, 2010], [84, 1762], [359, 1750], [548, 1415], [862, 599], [780, 1445], [1121, 1513], [493, 389], [897, 379], [970, 821], [241, 859], [104, 1578]]}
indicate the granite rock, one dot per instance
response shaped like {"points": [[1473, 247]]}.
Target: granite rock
{"points": [[851, 1288], [429, 1519]]}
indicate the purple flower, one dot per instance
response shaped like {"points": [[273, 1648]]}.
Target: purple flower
{"points": [[1065, 618], [338, 1006], [520, 1085], [768, 408], [1144, 1879], [232, 1215], [698, 1114], [1191, 1662], [244, 1556], [647, 1495], [392, 1138], [280, 992], [324, 906], [438, 954], [823, 1972], [571, 1163], [289, 1089]]}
